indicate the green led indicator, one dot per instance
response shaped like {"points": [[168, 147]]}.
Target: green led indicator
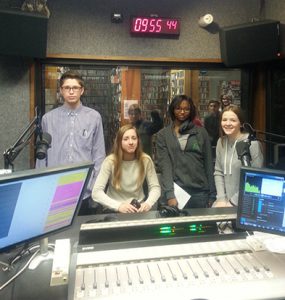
{"points": [[193, 227], [165, 230]]}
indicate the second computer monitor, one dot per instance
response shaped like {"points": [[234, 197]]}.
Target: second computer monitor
{"points": [[261, 205]]}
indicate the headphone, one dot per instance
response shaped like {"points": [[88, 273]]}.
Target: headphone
{"points": [[172, 211]]}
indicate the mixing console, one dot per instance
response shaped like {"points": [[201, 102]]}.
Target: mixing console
{"points": [[227, 269]]}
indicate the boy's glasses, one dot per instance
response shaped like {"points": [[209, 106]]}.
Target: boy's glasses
{"points": [[69, 88]]}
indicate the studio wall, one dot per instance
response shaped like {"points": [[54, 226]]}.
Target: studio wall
{"points": [[85, 28], [14, 106]]}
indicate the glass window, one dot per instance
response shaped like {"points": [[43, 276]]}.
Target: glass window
{"points": [[112, 89]]}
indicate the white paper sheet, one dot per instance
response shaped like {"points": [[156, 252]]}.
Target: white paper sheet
{"points": [[181, 196]]}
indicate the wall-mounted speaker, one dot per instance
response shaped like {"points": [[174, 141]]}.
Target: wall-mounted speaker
{"points": [[23, 34], [250, 43]]}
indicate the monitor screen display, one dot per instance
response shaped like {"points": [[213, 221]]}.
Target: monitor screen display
{"points": [[261, 205], [38, 202]]}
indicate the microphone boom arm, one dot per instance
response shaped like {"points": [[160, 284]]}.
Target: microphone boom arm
{"points": [[13, 151], [269, 134]]}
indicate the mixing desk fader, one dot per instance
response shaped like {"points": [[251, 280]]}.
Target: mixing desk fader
{"points": [[227, 269]]}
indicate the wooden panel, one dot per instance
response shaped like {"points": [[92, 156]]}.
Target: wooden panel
{"points": [[131, 89], [259, 103], [187, 82], [134, 58], [195, 87]]}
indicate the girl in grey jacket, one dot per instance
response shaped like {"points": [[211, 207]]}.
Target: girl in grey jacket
{"points": [[228, 164]]}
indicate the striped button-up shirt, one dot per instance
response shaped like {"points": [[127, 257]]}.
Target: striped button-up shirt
{"points": [[77, 136]]}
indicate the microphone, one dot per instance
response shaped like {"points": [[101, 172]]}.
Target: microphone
{"points": [[243, 152], [42, 145], [242, 147]]}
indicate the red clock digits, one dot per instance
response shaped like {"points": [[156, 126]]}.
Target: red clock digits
{"points": [[147, 25], [152, 25], [171, 24], [155, 26], [137, 26], [144, 25], [158, 25]]}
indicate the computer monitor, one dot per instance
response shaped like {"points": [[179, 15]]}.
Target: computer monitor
{"points": [[40, 202], [261, 205]]}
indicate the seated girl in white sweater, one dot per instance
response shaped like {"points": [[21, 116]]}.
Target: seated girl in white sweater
{"points": [[123, 173]]}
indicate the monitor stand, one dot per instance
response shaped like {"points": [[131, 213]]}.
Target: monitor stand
{"points": [[44, 254]]}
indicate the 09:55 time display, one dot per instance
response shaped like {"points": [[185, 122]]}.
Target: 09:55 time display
{"points": [[155, 26]]}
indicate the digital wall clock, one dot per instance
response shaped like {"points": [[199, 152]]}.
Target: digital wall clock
{"points": [[155, 26]]}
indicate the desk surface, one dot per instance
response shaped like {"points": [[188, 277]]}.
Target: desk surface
{"points": [[35, 284]]}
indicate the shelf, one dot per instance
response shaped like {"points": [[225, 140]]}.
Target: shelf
{"points": [[154, 92], [179, 82]]}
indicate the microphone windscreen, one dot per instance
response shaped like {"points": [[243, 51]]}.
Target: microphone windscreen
{"points": [[46, 137], [242, 148], [42, 145]]}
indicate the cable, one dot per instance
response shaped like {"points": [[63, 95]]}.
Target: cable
{"points": [[23, 252], [5, 265], [20, 271], [8, 266], [18, 256], [223, 226]]}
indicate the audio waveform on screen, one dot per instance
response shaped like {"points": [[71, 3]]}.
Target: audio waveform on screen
{"points": [[253, 184], [251, 188]]}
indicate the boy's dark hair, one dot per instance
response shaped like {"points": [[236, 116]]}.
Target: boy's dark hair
{"points": [[213, 101], [71, 75]]}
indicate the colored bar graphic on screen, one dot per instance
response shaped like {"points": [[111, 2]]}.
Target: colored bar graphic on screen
{"points": [[67, 192], [72, 178], [253, 184], [65, 200], [7, 207], [259, 206]]}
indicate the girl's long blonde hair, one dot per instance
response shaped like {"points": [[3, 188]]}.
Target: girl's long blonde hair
{"points": [[118, 157]]}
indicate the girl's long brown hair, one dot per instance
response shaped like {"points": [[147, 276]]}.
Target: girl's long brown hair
{"points": [[118, 157]]}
